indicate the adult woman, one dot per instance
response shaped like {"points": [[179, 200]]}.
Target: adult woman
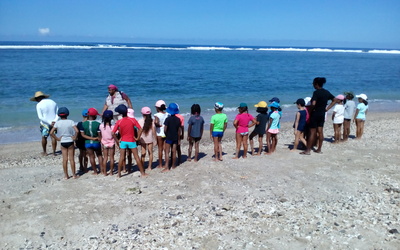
{"points": [[318, 109]]}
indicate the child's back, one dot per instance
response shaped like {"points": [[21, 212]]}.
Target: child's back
{"points": [[219, 120], [197, 122]]}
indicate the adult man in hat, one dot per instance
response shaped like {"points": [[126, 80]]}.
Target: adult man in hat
{"points": [[114, 99], [47, 112]]}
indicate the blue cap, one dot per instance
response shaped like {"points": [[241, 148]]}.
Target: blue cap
{"points": [[108, 114], [122, 109], [275, 99], [173, 108], [85, 112], [63, 111]]}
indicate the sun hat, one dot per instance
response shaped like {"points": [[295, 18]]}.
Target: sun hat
{"points": [[340, 97], [300, 101], [112, 86], [362, 96], [274, 105], [261, 104], [93, 112], [63, 111], [349, 94], [242, 105], [275, 99], [39, 94], [130, 113], [85, 112], [173, 108], [159, 103], [146, 111], [108, 114], [307, 100], [219, 105]]}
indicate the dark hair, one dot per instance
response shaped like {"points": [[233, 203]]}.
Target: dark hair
{"points": [[148, 122], [243, 109], [195, 109], [319, 81], [365, 102], [262, 110], [107, 120], [162, 107]]}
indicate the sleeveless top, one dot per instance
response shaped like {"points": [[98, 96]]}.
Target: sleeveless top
{"points": [[112, 103]]}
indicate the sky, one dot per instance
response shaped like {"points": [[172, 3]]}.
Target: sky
{"points": [[329, 23]]}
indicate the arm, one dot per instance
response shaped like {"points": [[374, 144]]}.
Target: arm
{"points": [[188, 132], [76, 133], [182, 135], [201, 131], [211, 130], [126, 98], [333, 115], [355, 115], [115, 138], [157, 122], [253, 122], [235, 123], [52, 134], [333, 102], [105, 107], [89, 137], [140, 130], [296, 123]]}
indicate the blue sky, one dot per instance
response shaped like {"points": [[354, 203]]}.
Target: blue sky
{"points": [[338, 23]]}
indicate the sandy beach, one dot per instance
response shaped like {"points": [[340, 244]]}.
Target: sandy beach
{"points": [[346, 198]]}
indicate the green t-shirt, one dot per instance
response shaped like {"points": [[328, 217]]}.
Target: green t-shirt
{"points": [[91, 128], [219, 121]]}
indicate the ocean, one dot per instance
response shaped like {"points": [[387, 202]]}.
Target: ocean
{"points": [[76, 75]]}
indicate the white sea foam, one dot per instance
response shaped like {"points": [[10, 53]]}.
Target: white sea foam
{"points": [[282, 49], [208, 48], [45, 47], [5, 128], [384, 51]]}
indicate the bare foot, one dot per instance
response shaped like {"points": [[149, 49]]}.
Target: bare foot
{"points": [[75, 177], [143, 175], [44, 154], [66, 177], [165, 170], [235, 157], [305, 153]]}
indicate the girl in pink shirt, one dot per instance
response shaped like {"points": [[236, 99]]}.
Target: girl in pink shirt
{"points": [[108, 142], [242, 126], [147, 136]]}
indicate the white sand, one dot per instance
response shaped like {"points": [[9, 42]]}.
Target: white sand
{"points": [[346, 198]]}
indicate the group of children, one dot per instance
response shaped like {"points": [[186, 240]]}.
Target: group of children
{"points": [[98, 139]]}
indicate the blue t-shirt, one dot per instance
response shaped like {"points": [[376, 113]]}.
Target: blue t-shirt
{"points": [[197, 123]]}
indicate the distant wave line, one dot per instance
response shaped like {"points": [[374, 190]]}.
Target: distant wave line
{"points": [[201, 48]]}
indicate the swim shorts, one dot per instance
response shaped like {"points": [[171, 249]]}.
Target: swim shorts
{"points": [[244, 133], [317, 120], [94, 146], [67, 144], [171, 142], [217, 134], [196, 139], [127, 144], [45, 130]]}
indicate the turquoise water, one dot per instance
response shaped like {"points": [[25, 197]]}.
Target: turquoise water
{"points": [[77, 76]]}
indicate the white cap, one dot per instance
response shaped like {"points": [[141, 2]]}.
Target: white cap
{"points": [[362, 96], [307, 100]]}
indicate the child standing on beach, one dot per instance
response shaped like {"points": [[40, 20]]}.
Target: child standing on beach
{"points": [[349, 107], [273, 128], [218, 124], [241, 123], [360, 115], [338, 117], [299, 124], [147, 136], [67, 132], [159, 119], [126, 128], [107, 141], [92, 143], [80, 144], [172, 130], [178, 147], [261, 123], [195, 131]]}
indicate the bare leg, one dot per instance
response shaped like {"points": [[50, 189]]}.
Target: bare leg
{"points": [[111, 153], [245, 139], [238, 144], [64, 152], [71, 157], [174, 151], [54, 145], [167, 150], [346, 130], [320, 131], [150, 151], [296, 141], [100, 159], [143, 153], [161, 149], [138, 161], [105, 159], [260, 144], [92, 160], [196, 150], [121, 161], [216, 148], [44, 145], [190, 149], [269, 136]]}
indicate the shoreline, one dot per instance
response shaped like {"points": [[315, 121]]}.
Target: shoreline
{"points": [[346, 197]]}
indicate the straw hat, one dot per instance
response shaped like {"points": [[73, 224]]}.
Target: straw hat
{"points": [[39, 94]]}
